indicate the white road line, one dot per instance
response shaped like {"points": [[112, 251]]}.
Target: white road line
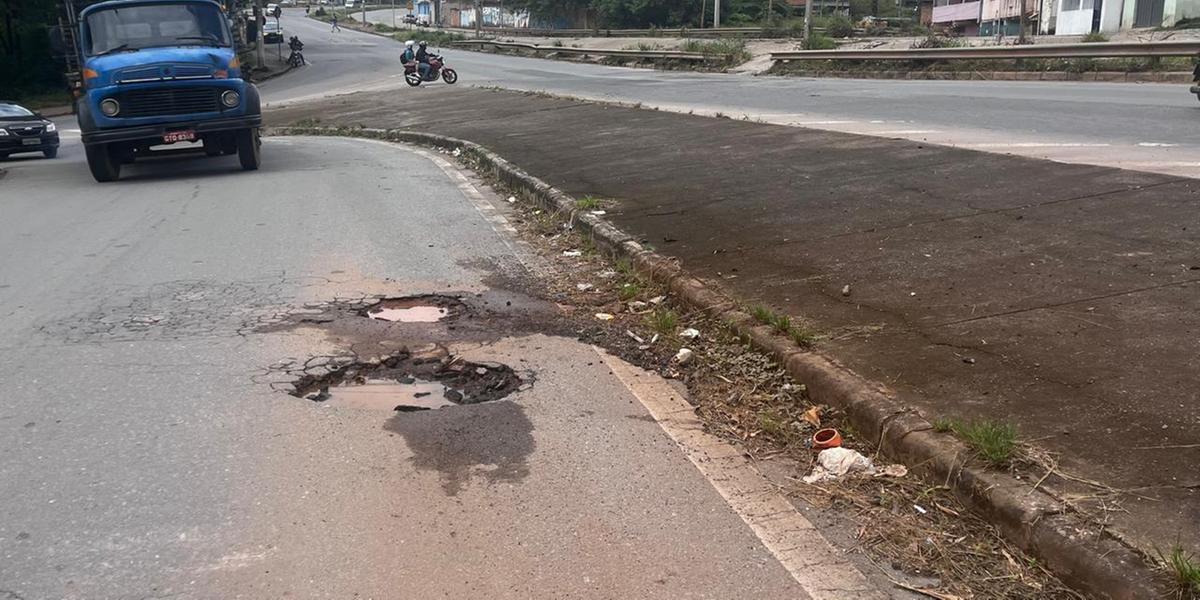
{"points": [[1157, 145], [822, 122], [812, 561]]}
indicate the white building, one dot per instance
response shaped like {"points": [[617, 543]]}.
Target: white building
{"points": [[1110, 16]]}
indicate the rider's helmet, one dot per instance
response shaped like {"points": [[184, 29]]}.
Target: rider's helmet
{"points": [[408, 44], [424, 43]]}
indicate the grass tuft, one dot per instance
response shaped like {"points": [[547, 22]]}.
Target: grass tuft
{"points": [[624, 266], [629, 291], [663, 320], [762, 314], [587, 203], [994, 442], [943, 425], [1183, 569]]}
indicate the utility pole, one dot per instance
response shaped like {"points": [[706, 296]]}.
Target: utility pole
{"points": [[393, 14], [807, 21], [260, 19], [1024, 22], [478, 19], [716, 14]]}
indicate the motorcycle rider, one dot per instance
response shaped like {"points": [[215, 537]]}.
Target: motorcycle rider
{"points": [[409, 55], [423, 59]]}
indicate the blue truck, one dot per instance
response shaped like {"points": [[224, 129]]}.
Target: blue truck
{"points": [[154, 73]]}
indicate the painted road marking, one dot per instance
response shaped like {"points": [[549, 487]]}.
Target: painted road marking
{"points": [[813, 562]]}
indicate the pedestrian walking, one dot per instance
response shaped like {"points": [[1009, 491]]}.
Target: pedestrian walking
{"points": [[335, 25]]}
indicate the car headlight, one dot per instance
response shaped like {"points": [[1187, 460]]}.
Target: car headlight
{"points": [[230, 98], [3, 132], [51, 127], [110, 107]]}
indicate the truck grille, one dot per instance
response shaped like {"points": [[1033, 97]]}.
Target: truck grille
{"points": [[177, 101]]}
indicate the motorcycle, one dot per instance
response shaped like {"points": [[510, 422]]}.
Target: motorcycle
{"points": [[437, 68], [296, 58]]}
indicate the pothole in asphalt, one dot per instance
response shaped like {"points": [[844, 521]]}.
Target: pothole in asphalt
{"points": [[407, 382], [415, 309]]}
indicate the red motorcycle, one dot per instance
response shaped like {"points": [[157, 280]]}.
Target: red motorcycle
{"points": [[412, 74]]}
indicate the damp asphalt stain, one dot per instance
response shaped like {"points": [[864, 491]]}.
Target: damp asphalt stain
{"points": [[491, 441]]}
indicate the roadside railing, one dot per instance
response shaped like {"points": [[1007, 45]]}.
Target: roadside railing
{"points": [[655, 54], [680, 32], [1096, 50]]}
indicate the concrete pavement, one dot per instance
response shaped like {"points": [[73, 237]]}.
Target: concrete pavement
{"points": [[144, 452], [1056, 297]]}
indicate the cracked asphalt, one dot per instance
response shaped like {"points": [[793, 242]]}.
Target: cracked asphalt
{"points": [[145, 453]]}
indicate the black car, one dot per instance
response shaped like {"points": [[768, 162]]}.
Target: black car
{"points": [[22, 130]]}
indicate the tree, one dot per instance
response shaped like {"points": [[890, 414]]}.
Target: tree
{"points": [[26, 62]]}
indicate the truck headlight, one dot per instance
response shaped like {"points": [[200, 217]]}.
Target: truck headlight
{"points": [[51, 127], [110, 107], [230, 98]]}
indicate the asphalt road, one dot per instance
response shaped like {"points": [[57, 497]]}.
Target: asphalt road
{"points": [[1152, 127], [144, 451]]}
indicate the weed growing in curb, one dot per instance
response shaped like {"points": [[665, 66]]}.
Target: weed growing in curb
{"points": [[587, 203], [994, 442], [762, 314], [1183, 569], [663, 320]]}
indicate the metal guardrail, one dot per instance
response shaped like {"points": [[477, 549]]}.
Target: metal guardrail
{"points": [[671, 54], [683, 32], [1097, 50]]}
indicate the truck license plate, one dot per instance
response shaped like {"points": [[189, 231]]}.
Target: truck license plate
{"points": [[186, 135], [31, 142]]}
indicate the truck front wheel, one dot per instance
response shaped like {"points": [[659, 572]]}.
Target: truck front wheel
{"points": [[249, 148], [103, 162]]}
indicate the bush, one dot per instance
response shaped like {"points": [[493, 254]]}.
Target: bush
{"points": [[839, 27], [320, 12], [733, 49], [1094, 37], [935, 41], [819, 41]]}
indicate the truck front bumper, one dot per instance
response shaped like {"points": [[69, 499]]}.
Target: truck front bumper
{"points": [[143, 133]]}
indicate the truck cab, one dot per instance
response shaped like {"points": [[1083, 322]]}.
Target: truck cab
{"points": [[162, 72]]}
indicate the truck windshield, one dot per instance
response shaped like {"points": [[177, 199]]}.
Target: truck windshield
{"points": [[135, 27]]}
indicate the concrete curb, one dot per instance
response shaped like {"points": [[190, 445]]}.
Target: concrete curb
{"points": [[1033, 520]]}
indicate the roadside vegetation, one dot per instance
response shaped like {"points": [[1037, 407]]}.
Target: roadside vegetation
{"points": [[731, 51], [1183, 569]]}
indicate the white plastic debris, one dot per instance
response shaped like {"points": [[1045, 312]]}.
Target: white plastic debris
{"points": [[604, 316], [457, 152], [846, 290], [572, 253], [606, 274], [920, 509], [657, 299], [583, 287], [634, 336], [512, 199], [833, 463], [892, 471], [599, 213], [689, 333], [683, 357]]}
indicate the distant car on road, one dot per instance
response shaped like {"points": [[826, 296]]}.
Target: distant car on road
{"points": [[272, 32], [410, 19], [23, 130]]}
